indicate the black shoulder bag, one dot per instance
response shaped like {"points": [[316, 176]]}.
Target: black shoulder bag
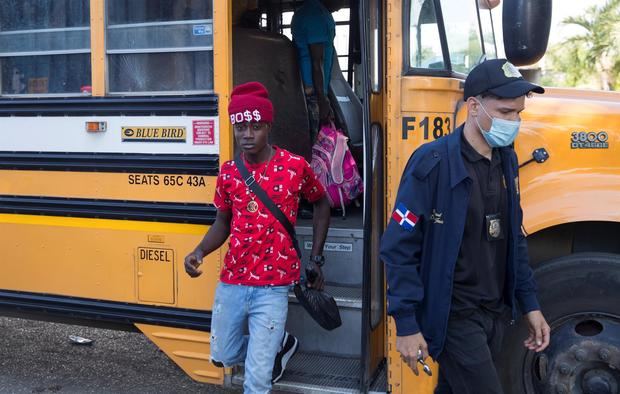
{"points": [[319, 304]]}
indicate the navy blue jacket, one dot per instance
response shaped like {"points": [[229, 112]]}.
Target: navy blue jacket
{"points": [[420, 261]]}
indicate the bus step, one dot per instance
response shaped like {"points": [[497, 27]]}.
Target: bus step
{"points": [[344, 253], [316, 373], [345, 297], [345, 340], [379, 384]]}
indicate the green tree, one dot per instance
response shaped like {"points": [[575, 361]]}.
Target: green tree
{"points": [[594, 53]]}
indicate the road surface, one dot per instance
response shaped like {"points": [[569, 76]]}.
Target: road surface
{"points": [[38, 357]]}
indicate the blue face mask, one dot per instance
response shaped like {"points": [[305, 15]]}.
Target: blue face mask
{"points": [[502, 133]]}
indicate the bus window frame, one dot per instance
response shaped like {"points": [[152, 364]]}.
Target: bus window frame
{"points": [[108, 52], [418, 71], [447, 71], [376, 46], [54, 52], [483, 55], [482, 43], [484, 48]]}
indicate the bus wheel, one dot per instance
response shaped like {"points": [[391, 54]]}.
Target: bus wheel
{"points": [[580, 298]]}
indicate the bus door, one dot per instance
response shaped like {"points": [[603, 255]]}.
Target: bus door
{"points": [[371, 79], [111, 145], [349, 358]]}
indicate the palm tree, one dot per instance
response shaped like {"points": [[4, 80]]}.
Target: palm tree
{"points": [[596, 49]]}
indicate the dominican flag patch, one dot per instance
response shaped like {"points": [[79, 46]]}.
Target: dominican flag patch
{"points": [[404, 217]]}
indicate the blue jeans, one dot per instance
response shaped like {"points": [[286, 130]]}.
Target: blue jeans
{"points": [[265, 310]]}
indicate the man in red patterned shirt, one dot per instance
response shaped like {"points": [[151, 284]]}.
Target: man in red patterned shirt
{"points": [[261, 262]]}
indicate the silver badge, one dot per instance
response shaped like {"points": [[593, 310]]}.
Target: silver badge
{"points": [[495, 228], [437, 217]]}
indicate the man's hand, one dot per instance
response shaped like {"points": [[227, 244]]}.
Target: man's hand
{"points": [[192, 262], [540, 332], [409, 347], [315, 277]]}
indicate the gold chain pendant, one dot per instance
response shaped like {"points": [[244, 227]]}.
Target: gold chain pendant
{"points": [[252, 206]]}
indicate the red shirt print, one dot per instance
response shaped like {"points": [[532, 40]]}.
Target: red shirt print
{"points": [[260, 250]]}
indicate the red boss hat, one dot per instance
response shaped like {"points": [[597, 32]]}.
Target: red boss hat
{"points": [[249, 102]]}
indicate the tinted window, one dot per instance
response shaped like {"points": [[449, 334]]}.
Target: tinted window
{"points": [[45, 47]]}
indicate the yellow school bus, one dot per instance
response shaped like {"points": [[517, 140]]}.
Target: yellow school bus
{"points": [[114, 125]]}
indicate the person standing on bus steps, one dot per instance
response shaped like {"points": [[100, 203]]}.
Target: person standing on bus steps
{"points": [[261, 262], [313, 30], [455, 256]]}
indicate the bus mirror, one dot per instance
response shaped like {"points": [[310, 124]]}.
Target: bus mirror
{"points": [[526, 30]]}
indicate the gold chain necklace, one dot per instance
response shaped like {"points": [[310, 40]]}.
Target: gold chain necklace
{"points": [[252, 206]]}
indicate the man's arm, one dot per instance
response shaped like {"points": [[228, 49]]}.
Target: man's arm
{"points": [[318, 83], [401, 252], [320, 226], [401, 248], [538, 329], [525, 283], [525, 291], [213, 239]]}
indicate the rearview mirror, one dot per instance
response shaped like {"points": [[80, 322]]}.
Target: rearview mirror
{"points": [[526, 25]]}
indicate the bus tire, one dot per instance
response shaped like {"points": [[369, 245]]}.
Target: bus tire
{"points": [[579, 296]]}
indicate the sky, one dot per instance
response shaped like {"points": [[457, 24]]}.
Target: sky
{"points": [[563, 9]]}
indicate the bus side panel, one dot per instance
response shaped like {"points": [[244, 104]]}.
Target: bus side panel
{"points": [[579, 131], [111, 260], [105, 207], [134, 185], [189, 349]]}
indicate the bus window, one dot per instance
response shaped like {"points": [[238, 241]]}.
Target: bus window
{"points": [[287, 18], [44, 47], [159, 46], [488, 34], [463, 34], [424, 43]]}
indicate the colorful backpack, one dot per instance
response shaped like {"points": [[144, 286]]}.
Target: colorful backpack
{"points": [[335, 167]]}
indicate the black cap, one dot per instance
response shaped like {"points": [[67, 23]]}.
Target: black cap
{"points": [[498, 77]]}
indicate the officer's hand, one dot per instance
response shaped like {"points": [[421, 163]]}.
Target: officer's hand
{"points": [[314, 274], [540, 333], [326, 115], [409, 347], [192, 262]]}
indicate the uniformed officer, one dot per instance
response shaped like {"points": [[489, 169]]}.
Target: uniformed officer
{"points": [[456, 258]]}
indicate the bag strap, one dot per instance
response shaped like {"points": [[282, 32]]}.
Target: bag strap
{"points": [[268, 202]]}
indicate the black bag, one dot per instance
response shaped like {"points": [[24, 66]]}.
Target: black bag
{"points": [[320, 305]]}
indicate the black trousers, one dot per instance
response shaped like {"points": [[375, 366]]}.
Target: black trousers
{"points": [[467, 362]]}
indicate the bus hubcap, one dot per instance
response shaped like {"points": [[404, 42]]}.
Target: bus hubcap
{"points": [[584, 357]]}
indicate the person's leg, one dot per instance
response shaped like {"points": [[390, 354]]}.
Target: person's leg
{"points": [[268, 308], [497, 328], [228, 342], [443, 387], [288, 348], [466, 361]]}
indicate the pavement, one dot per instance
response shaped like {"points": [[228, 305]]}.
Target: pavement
{"points": [[39, 357]]}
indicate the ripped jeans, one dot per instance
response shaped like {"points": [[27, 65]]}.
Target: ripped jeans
{"points": [[265, 309]]}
